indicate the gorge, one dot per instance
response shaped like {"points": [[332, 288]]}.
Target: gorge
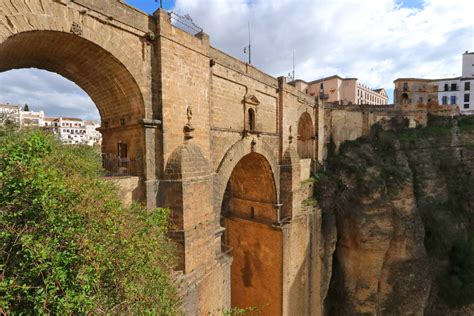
{"points": [[401, 203]]}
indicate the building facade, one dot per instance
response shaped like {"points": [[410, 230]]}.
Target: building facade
{"points": [[71, 131], [448, 92], [9, 113], [74, 131], [345, 91], [15, 114], [32, 119], [467, 83]]}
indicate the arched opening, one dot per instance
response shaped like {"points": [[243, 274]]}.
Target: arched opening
{"points": [[102, 76], [248, 212], [251, 120], [305, 137], [404, 98]]}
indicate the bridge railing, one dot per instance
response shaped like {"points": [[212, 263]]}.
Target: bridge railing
{"points": [[185, 23]]}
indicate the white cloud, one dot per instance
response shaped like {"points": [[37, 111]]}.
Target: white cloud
{"points": [[376, 41], [373, 40]]}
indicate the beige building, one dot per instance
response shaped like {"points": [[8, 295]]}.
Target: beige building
{"points": [[32, 118], [15, 114], [417, 91], [9, 113], [74, 131], [451, 93], [335, 89]]}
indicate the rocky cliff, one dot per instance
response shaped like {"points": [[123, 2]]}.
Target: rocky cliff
{"points": [[403, 202]]}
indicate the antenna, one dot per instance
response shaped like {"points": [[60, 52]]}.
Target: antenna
{"points": [[291, 75], [249, 47], [294, 65], [161, 3]]}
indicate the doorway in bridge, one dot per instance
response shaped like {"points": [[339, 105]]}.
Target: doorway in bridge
{"points": [[306, 139], [75, 82], [248, 213]]}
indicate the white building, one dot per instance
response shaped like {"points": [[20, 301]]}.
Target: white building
{"points": [[455, 92], [74, 131], [93, 136], [31, 119], [449, 91], [9, 113], [467, 83], [15, 114]]}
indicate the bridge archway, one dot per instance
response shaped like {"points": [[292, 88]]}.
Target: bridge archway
{"points": [[248, 212], [305, 137], [102, 76]]}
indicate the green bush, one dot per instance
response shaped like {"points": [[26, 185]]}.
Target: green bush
{"points": [[457, 283], [67, 245]]}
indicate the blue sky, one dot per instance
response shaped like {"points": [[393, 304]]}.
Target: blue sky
{"points": [[375, 41], [417, 4], [150, 6]]}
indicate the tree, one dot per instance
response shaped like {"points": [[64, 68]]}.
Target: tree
{"points": [[67, 245], [26, 108]]}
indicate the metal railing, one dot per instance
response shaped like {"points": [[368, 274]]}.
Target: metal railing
{"points": [[323, 96], [185, 23]]}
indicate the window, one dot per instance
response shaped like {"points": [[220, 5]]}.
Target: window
{"points": [[446, 87], [467, 86], [466, 97], [404, 98], [251, 117], [454, 87], [453, 99], [445, 100], [321, 86], [405, 86], [466, 106]]}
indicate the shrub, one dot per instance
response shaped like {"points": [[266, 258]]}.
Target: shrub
{"points": [[457, 283], [67, 245]]}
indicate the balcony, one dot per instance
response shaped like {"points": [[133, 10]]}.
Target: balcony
{"points": [[323, 96]]}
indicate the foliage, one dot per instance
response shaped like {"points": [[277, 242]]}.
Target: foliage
{"points": [[67, 245], [234, 311], [371, 164], [457, 282], [466, 122], [360, 167], [26, 108]]}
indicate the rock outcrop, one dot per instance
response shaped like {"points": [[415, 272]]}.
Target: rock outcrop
{"points": [[402, 201]]}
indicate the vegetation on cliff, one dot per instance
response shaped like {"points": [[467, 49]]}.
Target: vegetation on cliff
{"points": [[437, 163], [67, 246]]}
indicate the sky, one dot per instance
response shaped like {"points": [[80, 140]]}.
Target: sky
{"points": [[376, 41]]}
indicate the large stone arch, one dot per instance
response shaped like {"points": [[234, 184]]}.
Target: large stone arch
{"points": [[126, 45], [230, 160], [110, 62], [305, 139], [250, 216], [100, 74]]}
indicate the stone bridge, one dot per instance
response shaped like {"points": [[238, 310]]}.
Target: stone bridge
{"points": [[228, 148]]}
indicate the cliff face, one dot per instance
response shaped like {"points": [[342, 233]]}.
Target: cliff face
{"points": [[404, 210]]}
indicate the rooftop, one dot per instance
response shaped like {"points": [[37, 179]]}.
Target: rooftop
{"points": [[426, 80]]}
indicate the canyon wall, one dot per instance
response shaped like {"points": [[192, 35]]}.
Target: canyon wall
{"points": [[403, 202]]}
